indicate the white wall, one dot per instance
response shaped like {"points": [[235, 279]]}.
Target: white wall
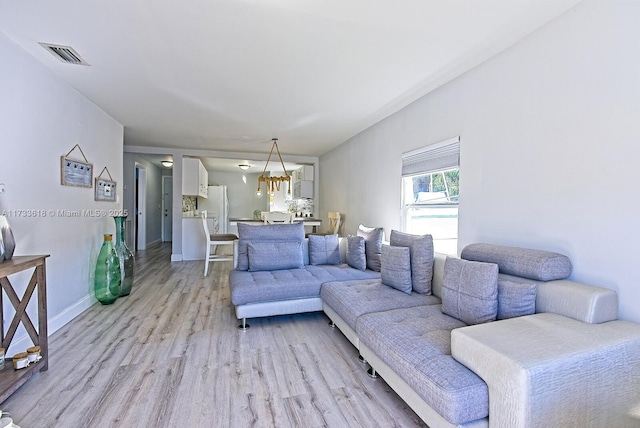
{"points": [[242, 196], [42, 118], [549, 145]]}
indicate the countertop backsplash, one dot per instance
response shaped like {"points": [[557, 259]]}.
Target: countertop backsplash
{"points": [[188, 204]]}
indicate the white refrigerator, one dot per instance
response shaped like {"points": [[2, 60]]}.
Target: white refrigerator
{"points": [[217, 206]]}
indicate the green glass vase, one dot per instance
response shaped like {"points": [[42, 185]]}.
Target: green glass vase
{"points": [[106, 283], [125, 257]]}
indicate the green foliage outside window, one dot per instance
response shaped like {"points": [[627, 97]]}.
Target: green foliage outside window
{"points": [[446, 182]]}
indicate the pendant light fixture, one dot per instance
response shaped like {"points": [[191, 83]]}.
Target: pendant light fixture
{"points": [[273, 183]]}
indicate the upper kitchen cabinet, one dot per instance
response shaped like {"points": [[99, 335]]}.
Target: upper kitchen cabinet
{"points": [[304, 173], [303, 190], [303, 182], [195, 178]]}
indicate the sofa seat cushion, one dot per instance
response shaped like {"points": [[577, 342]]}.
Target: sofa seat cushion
{"points": [[341, 272], [351, 299], [267, 286], [416, 344]]}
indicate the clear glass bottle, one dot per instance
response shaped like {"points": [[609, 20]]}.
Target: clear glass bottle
{"points": [[107, 276], [125, 257]]}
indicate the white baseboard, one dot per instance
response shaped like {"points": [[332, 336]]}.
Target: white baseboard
{"points": [[176, 257], [20, 344]]}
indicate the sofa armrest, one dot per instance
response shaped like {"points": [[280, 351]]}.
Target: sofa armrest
{"points": [[578, 301], [550, 370], [235, 254], [342, 246]]}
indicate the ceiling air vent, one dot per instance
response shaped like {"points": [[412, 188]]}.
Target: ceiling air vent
{"points": [[65, 54]]}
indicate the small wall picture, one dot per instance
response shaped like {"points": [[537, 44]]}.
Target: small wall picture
{"points": [[105, 190], [75, 172]]}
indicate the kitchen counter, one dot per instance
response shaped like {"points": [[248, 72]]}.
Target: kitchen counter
{"points": [[191, 214], [307, 221]]}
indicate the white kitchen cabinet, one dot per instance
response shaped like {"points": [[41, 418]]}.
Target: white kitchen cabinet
{"points": [[195, 178], [303, 189], [193, 240], [304, 173]]}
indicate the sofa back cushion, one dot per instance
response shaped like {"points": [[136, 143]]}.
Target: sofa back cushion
{"points": [[395, 267], [274, 255], [515, 298], [524, 262], [265, 233], [324, 250], [421, 249], [582, 302], [373, 237], [356, 253], [470, 291]]}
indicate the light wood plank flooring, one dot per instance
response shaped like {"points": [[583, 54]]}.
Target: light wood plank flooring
{"points": [[170, 355]]}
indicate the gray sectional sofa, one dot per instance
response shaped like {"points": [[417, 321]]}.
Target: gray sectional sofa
{"points": [[273, 282], [498, 337]]}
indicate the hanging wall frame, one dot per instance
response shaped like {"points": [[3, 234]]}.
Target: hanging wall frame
{"points": [[105, 189], [74, 172]]}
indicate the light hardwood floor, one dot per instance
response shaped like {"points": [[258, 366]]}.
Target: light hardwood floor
{"points": [[170, 355]]}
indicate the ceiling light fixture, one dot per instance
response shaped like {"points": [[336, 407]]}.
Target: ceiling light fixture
{"points": [[273, 183], [244, 166], [167, 164]]}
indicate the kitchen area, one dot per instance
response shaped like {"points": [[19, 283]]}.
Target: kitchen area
{"points": [[227, 189]]}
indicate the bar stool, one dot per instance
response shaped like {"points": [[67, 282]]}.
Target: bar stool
{"points": [[213, 240]]}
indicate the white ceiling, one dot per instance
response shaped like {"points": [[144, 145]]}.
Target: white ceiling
{"points": [[232, 74], [229, 164]]}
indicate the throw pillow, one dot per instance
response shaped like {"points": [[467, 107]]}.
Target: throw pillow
{"points": [[324, 250], [373, 237], [515, 299], [274, 255], [470, 290], [355, 252], [395, 267], [421, 247], [262, 233]]}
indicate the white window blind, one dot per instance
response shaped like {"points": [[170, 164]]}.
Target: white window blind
{"points": [[442, 155]]}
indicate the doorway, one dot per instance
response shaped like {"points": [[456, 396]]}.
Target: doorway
{"points": [[167, 207], [140, 221]]}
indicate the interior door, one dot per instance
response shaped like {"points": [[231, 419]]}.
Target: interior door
{"points": [[167, 211], [141, 203]]}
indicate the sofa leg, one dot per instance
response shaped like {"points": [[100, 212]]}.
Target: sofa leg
{"points": [[372, 373], [332, 324], [361, 359], [244, 326]]}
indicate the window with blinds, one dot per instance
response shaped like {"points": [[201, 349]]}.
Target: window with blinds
{"points": [[430, 193]]}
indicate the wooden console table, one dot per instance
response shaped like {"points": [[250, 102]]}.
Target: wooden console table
{"points": [[10, 379]]}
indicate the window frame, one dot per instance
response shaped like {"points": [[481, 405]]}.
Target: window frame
{"points": [[431, 160]]}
